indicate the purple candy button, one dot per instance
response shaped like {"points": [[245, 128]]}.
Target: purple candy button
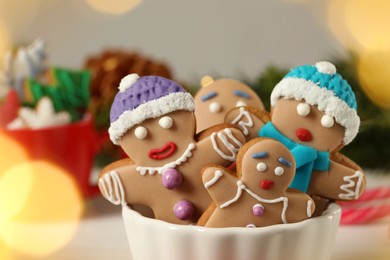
{"points": [[184, 210], [258, 210], [171, 179]]}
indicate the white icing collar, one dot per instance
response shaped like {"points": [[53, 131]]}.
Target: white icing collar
{"points": [[152, 170]]}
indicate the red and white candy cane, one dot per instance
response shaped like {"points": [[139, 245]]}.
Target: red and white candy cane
{"points": [[373, 204]]}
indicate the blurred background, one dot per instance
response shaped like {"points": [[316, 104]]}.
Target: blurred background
{"points": [[76, 51]]}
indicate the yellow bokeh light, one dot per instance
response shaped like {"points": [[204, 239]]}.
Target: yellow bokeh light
{"points": [[12, 153], [15, 186], [373, 69], [336, 12], [50, 216], [116, 7], [368, 21]]}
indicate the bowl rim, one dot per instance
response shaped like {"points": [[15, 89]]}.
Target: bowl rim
{"points": [[332, 211]]}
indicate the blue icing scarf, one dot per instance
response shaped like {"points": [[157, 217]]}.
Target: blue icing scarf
{"points": [[307, 158]]}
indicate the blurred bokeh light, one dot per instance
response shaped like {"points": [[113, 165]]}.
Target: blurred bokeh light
{"points": [[51, 213], [374, 76], [12, 153], [15, 186], [116, 7], [368, 22]]}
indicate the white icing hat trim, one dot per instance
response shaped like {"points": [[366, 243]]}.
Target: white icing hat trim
{"points": [[325, 67], [128, 81], [151, 109], [325, 100]]}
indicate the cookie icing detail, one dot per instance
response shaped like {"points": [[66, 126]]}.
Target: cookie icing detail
{"points": [[309, 207], [243, 125], [241, 186], [350, 183], [112, 188], [152, 170], [217, 175], [224, 139]]}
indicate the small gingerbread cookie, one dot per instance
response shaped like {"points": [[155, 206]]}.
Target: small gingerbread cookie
{"points": [[258, 195], [216, 98], [152, 119], [314, 115]]}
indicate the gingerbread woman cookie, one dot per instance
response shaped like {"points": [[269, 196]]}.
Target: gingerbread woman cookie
{"points": [[152, 119], [257, 197], [314, 115], [216, 98]]}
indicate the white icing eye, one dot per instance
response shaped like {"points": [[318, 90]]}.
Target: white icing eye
{"points": [[241, 103], [303, 109], [279, 171], [140, 132], [327, 121], [215, 107], [261, 167], [166, 122]]}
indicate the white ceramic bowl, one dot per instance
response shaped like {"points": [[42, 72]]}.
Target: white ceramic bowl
{"points": [[154, 239]]}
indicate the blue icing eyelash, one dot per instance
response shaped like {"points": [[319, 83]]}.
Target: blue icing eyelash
{"points": [[259, 155], [208, 96], [285, 162], [241, 94]]}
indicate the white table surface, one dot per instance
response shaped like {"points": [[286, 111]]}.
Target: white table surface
{"points": [[101, 235]]}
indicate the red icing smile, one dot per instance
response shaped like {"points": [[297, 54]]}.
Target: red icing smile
{"points": [[303, 135], [164, 152], [266, 184]]}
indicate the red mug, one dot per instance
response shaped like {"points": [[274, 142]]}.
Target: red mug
{"points": [[71, 147]]}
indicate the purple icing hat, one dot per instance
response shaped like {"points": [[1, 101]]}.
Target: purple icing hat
{"points": [[141, 98]]}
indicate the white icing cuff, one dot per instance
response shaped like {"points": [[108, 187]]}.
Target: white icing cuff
{"points": [[112, 188], [217, 175], [351, 189], [226, 139], [243, 125]]}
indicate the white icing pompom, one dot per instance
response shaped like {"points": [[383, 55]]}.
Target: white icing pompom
{"points": [[128, 81], [279, 171], [327, 121], [261, 167], [166, 122], [140, 132], [325, 67], [303, 109], [215, 107]]}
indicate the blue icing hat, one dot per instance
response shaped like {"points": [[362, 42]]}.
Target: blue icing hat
{"points": [[321, 86]]}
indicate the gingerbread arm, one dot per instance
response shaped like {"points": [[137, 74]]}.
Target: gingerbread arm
{"points": [[300, 206], [339, 183], [222, 146], [120, 185], [248, 119], [219, 183]]}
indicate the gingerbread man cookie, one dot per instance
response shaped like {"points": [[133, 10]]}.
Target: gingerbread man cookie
{"points": [[152, 119], [257, 197], [216, 98], [314, 115]]}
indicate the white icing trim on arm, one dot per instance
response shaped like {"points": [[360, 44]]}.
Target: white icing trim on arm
{"points": [[226, 142], [217, 175], [107, 182], [243, 125], [350, 183], [309, 208]]}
